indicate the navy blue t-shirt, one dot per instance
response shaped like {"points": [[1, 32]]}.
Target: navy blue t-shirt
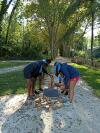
{"points": [[69, 72], [33, 69]]}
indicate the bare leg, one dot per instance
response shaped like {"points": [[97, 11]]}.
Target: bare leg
{"points": [[68, 89], [34, 83], [30, 87], [71, 90], [40, 82]]}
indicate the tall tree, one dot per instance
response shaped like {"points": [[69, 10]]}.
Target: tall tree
{"points": [[73, 18], [52, 14], [10, 18], [94, 14], [3, 11], [92, 30], [49, 13]]}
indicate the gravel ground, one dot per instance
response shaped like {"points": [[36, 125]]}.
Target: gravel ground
{"points": [[81, 116], [11, 69]]}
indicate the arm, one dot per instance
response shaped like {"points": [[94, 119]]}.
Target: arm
{"points": [[66, 77], [45, 71], [66, 82], [59, 84]]}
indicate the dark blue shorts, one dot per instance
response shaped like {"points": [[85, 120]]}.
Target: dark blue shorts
{"points": [[27, 75]]}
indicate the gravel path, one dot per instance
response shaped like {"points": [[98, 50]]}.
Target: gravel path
{"points": [[15, 68], [83, 116], [11, 69]]}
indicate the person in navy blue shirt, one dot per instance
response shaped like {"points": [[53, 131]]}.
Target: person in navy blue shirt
{"points": [[33, 71], [70, 76]]}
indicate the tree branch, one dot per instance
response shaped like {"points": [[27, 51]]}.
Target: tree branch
{"points": [[83, 32]]}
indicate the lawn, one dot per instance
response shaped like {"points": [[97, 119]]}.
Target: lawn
{"points": [[4, 64], [12, 83], [91, 76]]}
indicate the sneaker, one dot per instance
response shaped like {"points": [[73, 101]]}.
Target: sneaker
{"points": [[36, 92], [31, 97], [62, 91], [66, 93], [40, 89], [28, 98]]}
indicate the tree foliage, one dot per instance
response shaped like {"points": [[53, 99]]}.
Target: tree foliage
{"points": [[45, 25]]}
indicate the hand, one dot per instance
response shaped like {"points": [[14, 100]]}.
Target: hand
{"points": [[60, 85], [57, 84], [51, 76]]}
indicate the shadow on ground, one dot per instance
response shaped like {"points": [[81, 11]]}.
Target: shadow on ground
{"points": [[22, 118]]}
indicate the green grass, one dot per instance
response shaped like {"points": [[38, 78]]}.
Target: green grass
{"points": [[4, 64], [91, 76], [12, 83], [98, 60]]}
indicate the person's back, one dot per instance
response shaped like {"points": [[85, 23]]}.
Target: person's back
{"points": [[72, 71], [33, 68]]}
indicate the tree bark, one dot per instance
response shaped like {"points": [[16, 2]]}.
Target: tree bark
{"points": [[4, 8], [92, 36], [10, 19]]}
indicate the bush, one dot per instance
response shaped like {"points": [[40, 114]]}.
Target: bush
{"points": [[34, 51], [81, 53]]}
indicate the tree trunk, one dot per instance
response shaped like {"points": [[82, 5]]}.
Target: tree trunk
{"points": [[92, 37], [10, 19], [53, 45], [63, 52], [51, 41], [4, 8]]}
